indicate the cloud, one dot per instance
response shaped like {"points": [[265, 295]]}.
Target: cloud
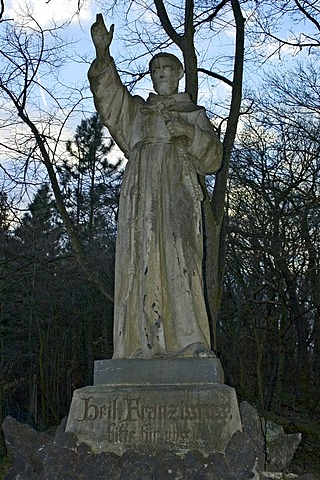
{"points": [[48, 12]]}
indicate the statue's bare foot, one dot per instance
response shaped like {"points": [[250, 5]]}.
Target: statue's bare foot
{"points": [[203, 352]]}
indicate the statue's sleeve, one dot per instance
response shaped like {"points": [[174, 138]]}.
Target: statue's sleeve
{"points": [[206, 148], [115, 105]]}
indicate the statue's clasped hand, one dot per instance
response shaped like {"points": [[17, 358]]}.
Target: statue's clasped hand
{"points": [[177, 127]]}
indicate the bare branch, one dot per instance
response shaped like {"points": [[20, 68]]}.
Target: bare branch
{"points": [[216, 75], [307, 14], [166, 23], [212, 15]]}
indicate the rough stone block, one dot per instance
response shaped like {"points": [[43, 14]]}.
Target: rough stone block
{"points": [[280, 452], [252, 424], [240, 455], [23, 441]]}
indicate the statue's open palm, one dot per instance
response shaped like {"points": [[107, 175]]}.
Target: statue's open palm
{"points": [[101, 37]]}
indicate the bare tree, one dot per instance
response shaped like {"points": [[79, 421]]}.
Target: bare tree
{"points": [[268, 34], [34, 133], [273, 243]]}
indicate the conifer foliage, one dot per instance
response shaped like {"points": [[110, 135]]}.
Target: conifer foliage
{"points": [[54, 323]]}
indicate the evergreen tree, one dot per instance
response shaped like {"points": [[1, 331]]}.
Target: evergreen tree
{"points": [[91, 181]]}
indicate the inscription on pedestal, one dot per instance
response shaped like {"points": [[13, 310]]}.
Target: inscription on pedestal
{"points": [[179, 419], [127, 420]]}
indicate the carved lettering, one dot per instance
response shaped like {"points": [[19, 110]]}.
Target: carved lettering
{"points": [[191, 412], [176, 435], [91, 411], [133, 409], [151, 412], [120, 433], [148, 433], [173, 412], [129, 418], [162, 409]]}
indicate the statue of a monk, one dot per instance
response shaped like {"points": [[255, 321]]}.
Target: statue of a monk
{"points": [[159, 306]]}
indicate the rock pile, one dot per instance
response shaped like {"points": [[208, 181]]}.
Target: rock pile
{"points": [[260, 452]]}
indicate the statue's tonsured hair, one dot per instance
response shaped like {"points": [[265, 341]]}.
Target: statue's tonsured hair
{"points": [[168, 55]]}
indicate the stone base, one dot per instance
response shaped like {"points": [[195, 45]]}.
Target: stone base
{"points": [[162, 371], [157, 412]]}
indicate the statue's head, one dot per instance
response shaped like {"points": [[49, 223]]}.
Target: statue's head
{"points": [[166, 71]]}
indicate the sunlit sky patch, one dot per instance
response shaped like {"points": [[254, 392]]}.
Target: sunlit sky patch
{"points": [[77, 29], [48, 12]]}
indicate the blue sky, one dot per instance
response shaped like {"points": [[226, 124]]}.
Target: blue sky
{"points": [[78, 30], [217, 51]]}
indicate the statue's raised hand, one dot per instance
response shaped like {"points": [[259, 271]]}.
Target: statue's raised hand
{"points": [[101, 37]]}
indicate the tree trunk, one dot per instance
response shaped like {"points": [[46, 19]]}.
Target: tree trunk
{"points": [[215, 250]]}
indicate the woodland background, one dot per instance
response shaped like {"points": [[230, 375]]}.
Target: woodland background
{"points": [[57, 242]]}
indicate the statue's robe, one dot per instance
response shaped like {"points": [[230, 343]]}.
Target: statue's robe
{"points": [[159, 306]]}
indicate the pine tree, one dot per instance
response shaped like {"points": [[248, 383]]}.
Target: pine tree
{"points": [[91, 181]]}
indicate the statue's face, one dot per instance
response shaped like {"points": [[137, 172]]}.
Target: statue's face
{"points": [[165, 76]]}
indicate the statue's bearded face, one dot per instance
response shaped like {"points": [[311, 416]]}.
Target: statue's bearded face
{"points": [[165, 76]]}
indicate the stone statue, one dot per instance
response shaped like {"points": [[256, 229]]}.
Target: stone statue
{"points": [[168, 140]]}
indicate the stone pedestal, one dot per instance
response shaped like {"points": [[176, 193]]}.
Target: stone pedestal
{"points": [[177, 371], [173, 405]]}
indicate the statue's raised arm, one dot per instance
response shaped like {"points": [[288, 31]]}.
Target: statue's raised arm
{"points": [[113, 102], [102, 39]]}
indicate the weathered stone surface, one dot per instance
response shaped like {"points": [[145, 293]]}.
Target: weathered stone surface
{"points": [[136, 465], [178, 371], [151, 466], [196, 466], [307, 476], [62, 457], [252, 424], [57, 462], [40, 457], [281, 447], [278, 476], [273, 430], [174, 418], [239, 460], [285, 476], [104, 465], [23, 443], [135, 472], [166, 466], [240, 455], [220, 467]]}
